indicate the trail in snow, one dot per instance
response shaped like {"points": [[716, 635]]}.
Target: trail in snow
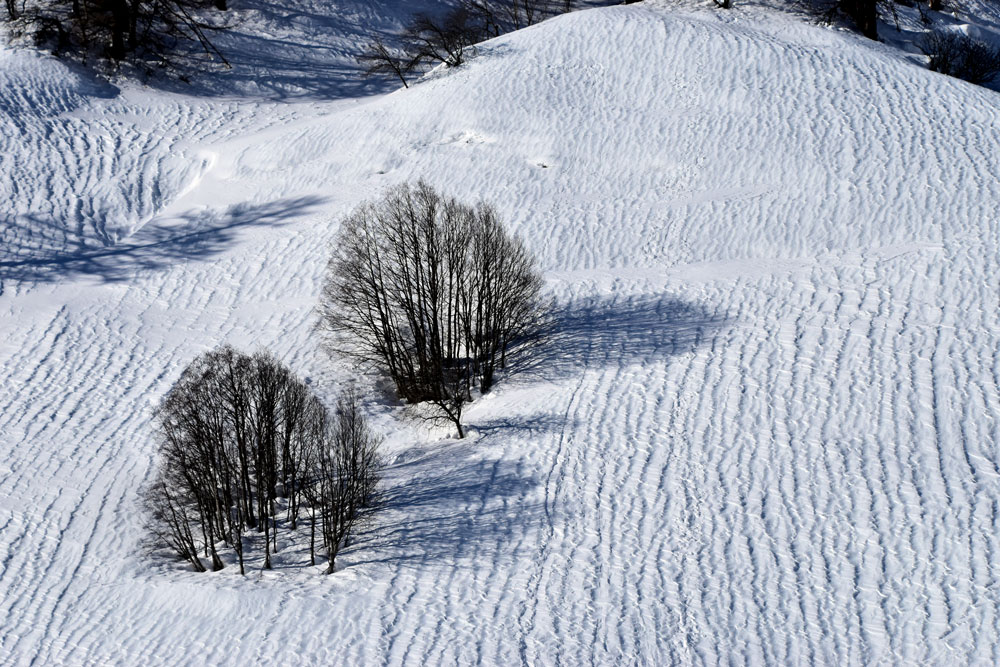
{"points": [[767, 430]]}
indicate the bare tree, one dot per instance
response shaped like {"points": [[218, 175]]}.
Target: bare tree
{"points": [[443, 40], [348, 467], [141, 31], [434, 293], [961, 56], [863, 14], [378, 58], [450, 37], [234, 433]]}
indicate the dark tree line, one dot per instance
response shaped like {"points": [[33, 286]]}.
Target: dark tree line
{"points": [[245, 446], [864, 14], [144, 31], [961, 56], [951, 53], [449, 37], [434, 293]]}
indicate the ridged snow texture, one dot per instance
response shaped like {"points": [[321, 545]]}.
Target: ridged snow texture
{"points": [[768, 433]]}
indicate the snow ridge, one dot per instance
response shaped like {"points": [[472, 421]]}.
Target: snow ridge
{"points": [[767, 432]]}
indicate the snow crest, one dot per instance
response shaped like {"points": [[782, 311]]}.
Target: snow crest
{"points": [[767, 432]]}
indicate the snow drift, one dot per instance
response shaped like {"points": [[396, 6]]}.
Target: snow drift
{"points": [[769, 432]]}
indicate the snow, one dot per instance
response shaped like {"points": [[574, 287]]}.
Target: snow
{"points": [[767, 431]]}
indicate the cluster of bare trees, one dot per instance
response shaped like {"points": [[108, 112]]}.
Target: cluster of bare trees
{"points": [[245, 446], [863, 14], [961, 56], [144, 31], [448, 38], [435, 293]]}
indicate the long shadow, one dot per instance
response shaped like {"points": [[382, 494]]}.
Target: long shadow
{"points": [[39, 250], [439, 508], [316, 60], [23, 99], [440, 504], [610, 330]]}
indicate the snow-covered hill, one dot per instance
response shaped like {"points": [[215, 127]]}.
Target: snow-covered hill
{"points": [[769, 432]]}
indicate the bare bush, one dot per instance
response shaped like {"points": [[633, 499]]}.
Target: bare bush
{"points": [[961, 56], [378, 58], [238, 432], [434, 293], [348, 475], [443, 40]]}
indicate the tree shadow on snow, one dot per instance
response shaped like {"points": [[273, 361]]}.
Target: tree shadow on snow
{"points": [[40, 250], [290, 50], [299, 49], [439, 503], [450, 507], [600, 331]]}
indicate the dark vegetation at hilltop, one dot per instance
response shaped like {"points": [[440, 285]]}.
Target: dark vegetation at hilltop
{"points": [[451, 36], [145, 32], [156, 34]]}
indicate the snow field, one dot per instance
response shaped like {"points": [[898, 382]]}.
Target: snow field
{"points": [[768, 432]]}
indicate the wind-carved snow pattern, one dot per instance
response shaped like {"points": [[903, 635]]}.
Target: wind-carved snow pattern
{"points": [[766, 430]]}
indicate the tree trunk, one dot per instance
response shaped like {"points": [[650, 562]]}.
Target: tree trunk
{"points": [[864, 15], [119, 28], [133, 40], [266, 521], [239, 552], [312, 538], [217, 563]]}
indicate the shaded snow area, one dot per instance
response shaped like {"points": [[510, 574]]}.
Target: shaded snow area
{"points": [[768, 432]]}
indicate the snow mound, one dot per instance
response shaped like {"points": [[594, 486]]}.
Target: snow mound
{"points": [[768, 431]]}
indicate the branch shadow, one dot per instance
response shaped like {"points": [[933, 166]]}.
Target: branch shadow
{"points": [[308, 51], [440, 504], [42, 250], [524, 426], [438, 508], [298, 49], [609, 330]]}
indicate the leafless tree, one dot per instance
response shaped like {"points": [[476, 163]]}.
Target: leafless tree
{"points": [[434, 293], [141, 31], [348, 473], [449, 38], [378, 58], [863, 14], [961, 56], [235, 433], [443, 40]]}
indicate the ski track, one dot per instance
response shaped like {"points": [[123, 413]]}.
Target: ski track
{"points": [[767, 434]]}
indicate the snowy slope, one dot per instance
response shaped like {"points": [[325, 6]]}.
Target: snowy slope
{"points": [[768, 433]]}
